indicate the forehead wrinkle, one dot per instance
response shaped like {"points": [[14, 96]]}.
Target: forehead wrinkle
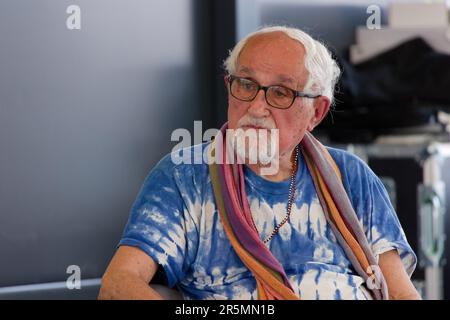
{"points": [[282, 78], [285, 78], [247, 70]]}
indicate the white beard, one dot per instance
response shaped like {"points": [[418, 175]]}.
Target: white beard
{"points": [[255, 145]]}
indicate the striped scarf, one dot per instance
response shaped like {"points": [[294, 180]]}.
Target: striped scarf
{"points": [[234, 211]]}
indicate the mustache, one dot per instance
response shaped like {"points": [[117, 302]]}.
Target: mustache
{"points": [[256, 122]]}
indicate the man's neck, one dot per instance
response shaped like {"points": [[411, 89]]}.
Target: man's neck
{"points": [[284, 169]]}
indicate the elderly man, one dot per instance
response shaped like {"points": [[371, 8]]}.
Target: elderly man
{"points": [[319, 227]]}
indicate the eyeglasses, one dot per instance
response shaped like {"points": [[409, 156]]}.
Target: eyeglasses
{"points": [[276, 96]]}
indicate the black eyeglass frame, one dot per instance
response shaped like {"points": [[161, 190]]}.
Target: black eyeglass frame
{"points": [[296, 94]]}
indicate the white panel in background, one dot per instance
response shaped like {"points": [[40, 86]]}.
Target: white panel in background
{"points": [[373, 42], [418, 14]]}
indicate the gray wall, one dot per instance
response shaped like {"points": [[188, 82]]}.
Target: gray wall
{"points": [[84, 115]]}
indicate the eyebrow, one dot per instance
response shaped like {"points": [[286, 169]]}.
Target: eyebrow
{"points": [[280, 77]]}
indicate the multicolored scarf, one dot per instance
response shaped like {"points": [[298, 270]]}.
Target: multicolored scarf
{"points": [[234, 211]]}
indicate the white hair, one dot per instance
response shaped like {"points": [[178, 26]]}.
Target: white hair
{"points": [[322, 68]]}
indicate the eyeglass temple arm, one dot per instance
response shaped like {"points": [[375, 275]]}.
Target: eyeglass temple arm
{"points": [[306, 95]]}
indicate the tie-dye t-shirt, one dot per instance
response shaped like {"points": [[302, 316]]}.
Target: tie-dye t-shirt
{"points": [[175, 221]]}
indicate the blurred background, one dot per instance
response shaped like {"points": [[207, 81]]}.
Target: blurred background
{"points": [[90, 92]]}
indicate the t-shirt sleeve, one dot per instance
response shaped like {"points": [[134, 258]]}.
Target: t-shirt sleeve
{"points": [[374, 209], [157, 223], [385, 231]]}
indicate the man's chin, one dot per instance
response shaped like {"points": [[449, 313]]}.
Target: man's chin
{"points": [[259, 147]]}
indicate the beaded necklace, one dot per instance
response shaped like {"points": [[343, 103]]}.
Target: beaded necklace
{"points": [[292, 189]]}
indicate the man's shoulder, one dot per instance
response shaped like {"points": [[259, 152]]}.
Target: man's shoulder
{"points": [[345, 158], [351, 166], [358, 179]]}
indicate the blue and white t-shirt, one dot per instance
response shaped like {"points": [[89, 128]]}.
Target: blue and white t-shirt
{"points": [[174, 220]]}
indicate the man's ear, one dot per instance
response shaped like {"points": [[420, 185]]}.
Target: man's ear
{"points": [[226, 79], [321, 108]]}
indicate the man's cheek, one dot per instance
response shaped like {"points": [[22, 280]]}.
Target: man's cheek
{"points": [[235, 113], [232, 121]]}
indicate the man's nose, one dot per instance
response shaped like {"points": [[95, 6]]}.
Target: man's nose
{"points": [[258, 106]]}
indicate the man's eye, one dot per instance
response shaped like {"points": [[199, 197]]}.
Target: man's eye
{"points": [[280, 93], [247, 85]]}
